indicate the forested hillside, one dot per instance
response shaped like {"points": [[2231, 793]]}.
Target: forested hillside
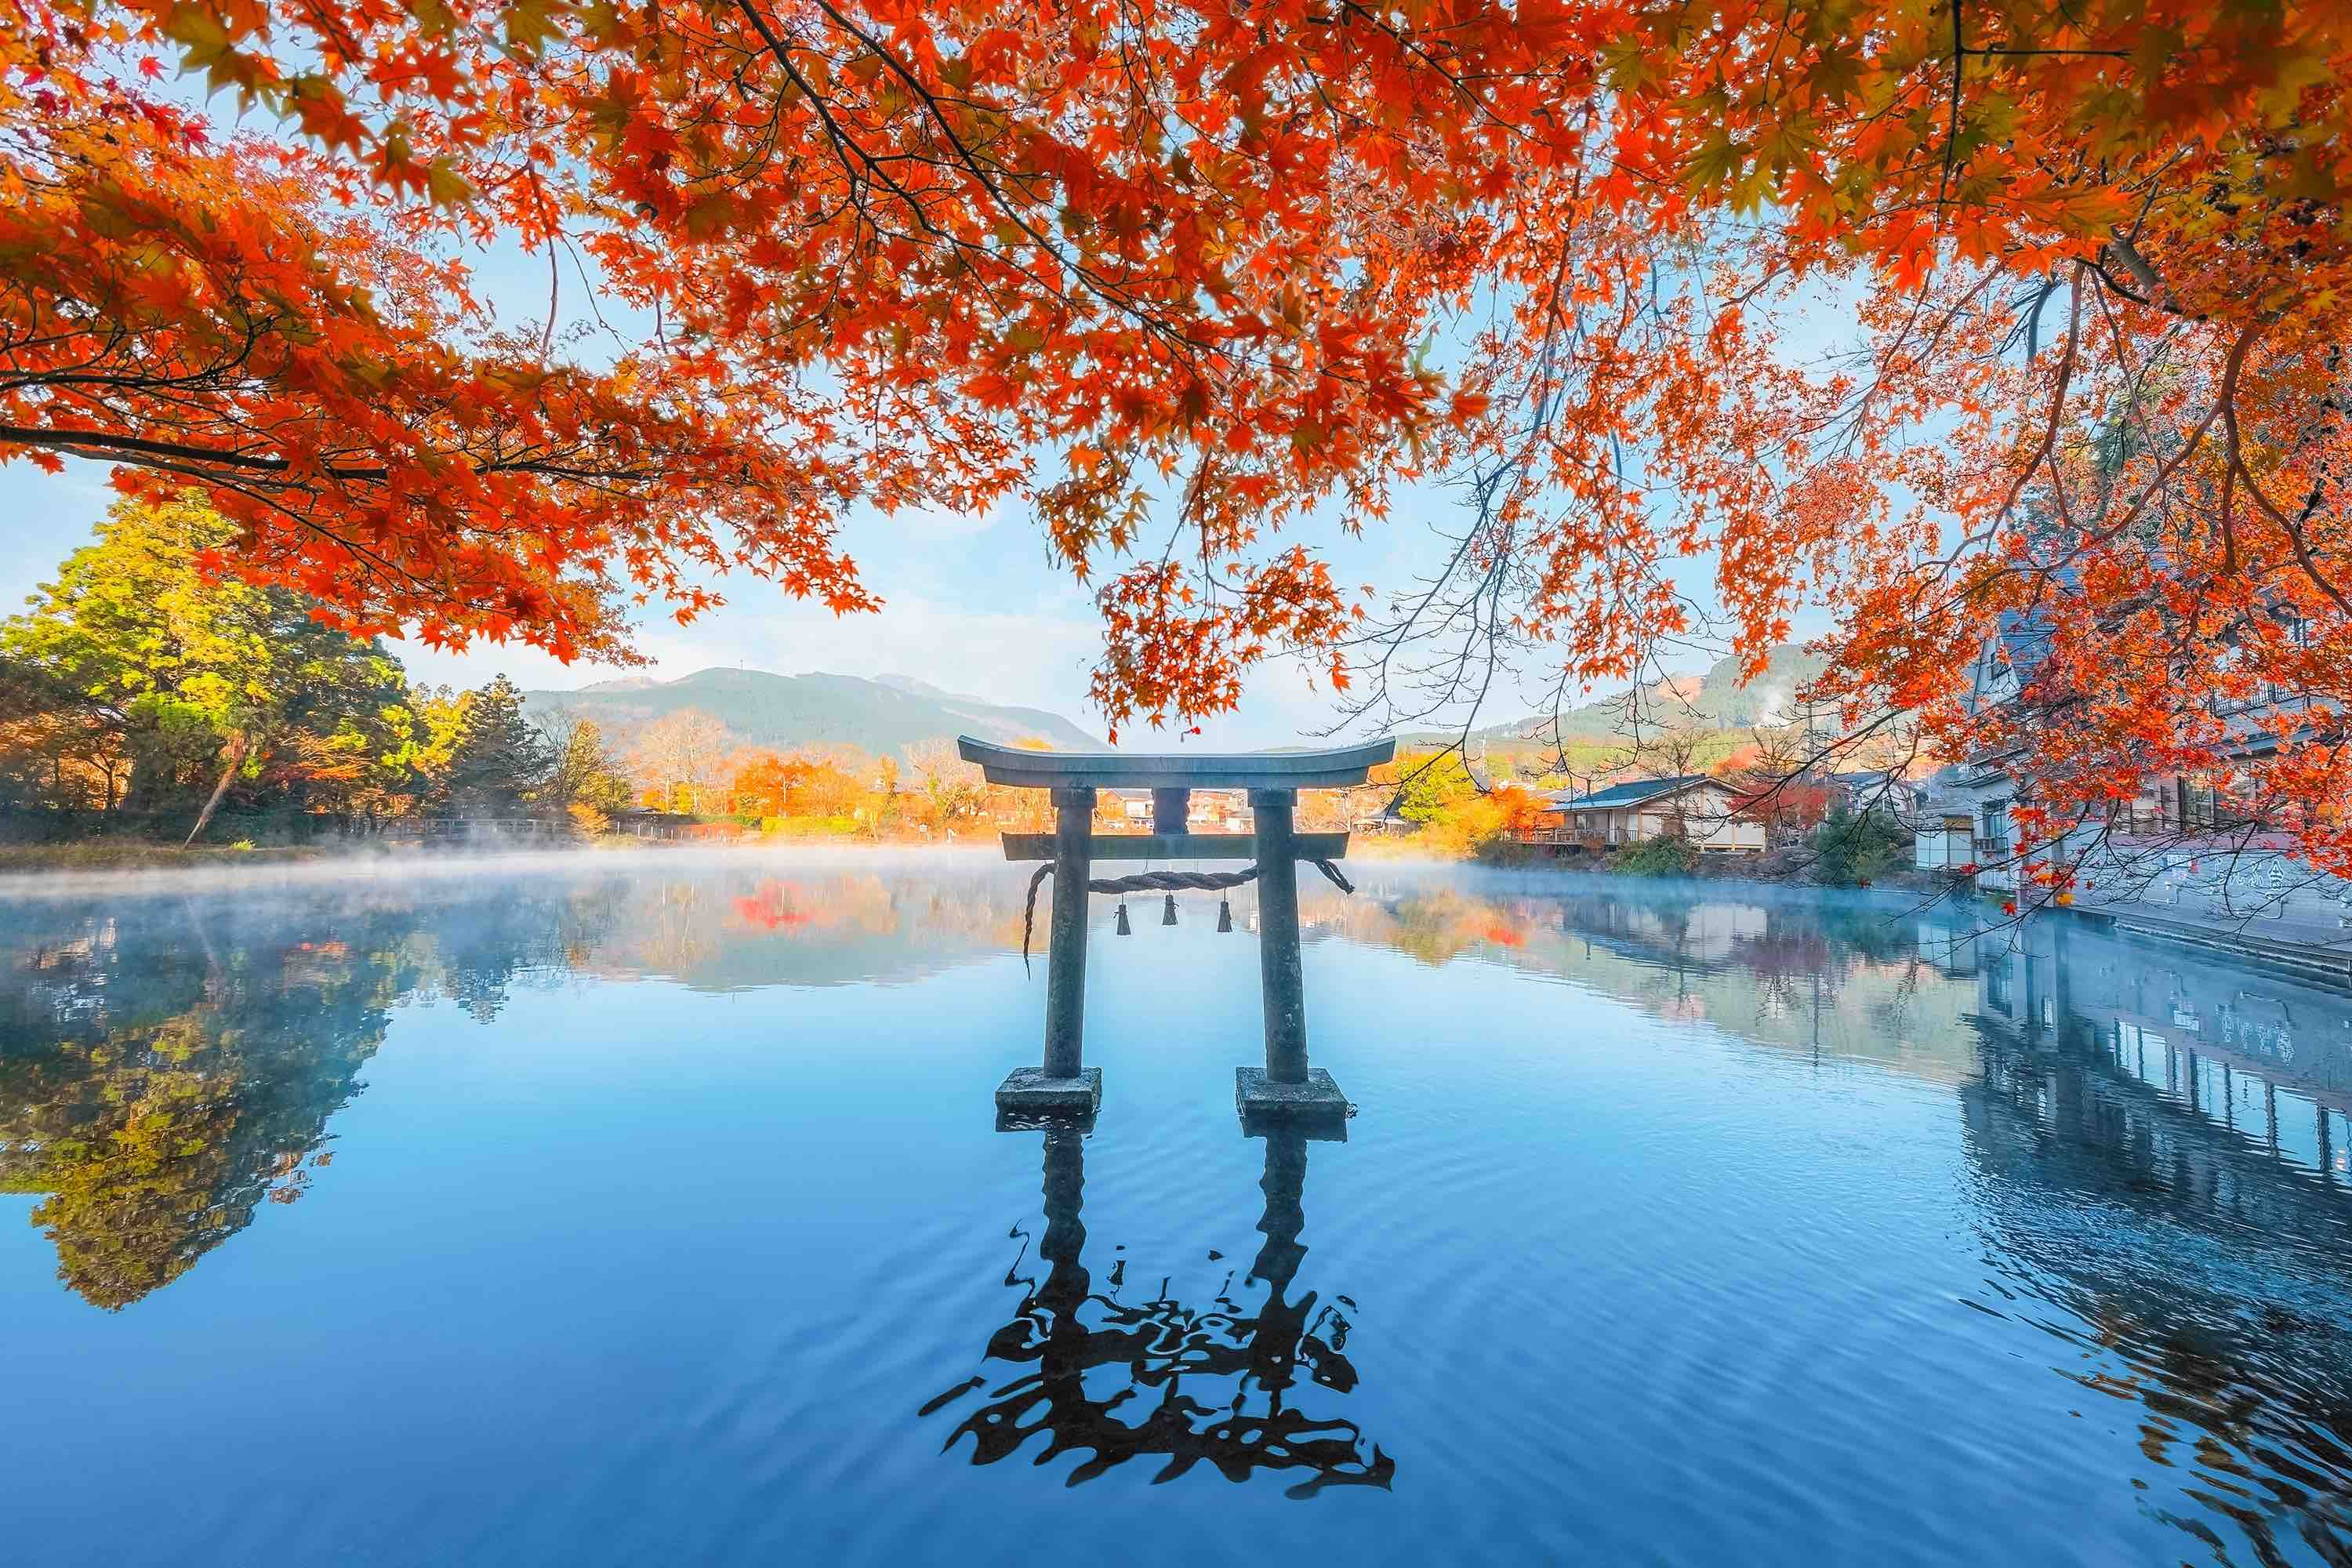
{"points": [[884, 717]]}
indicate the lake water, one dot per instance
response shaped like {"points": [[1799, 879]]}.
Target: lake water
{"points": [[647, 1211]]}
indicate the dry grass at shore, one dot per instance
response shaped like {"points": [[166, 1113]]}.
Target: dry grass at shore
{"points": [[107, 854]]}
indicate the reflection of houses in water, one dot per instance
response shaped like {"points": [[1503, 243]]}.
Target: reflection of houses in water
{"points": [[1193, 1374], [2266, 1057], [1761, 942], [2139, 1129], [1691, 931], [1834, 978], [2153, 1182]]}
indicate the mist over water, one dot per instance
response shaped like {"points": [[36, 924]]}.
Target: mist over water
{"points": [[644, 1208], [408, 865]]}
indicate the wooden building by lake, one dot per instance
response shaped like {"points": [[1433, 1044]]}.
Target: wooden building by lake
{"points": [[1704, 810]]}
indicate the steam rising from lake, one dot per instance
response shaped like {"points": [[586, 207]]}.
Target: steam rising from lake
{"points": [[407, 866]]}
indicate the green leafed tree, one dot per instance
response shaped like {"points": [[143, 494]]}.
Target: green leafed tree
{"points": [[1858, 846], [196, 687], [1430, 785]]}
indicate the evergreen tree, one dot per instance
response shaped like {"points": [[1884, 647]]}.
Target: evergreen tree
{"points": [[501, 760], [1857, 846]]}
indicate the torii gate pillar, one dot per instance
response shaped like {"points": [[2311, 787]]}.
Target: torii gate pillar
{"points": [[1286, 1086], [1064, 1085]]}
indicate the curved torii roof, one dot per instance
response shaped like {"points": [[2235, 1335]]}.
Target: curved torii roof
{"points": [[1175, 770]]}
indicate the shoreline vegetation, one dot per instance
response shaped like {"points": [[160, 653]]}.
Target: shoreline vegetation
{"points": [[153, 716], [720, 837], [559, 789]]}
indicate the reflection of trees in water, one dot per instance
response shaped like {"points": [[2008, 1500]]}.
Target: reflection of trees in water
{"points": [[816, 926], [478, 951], [170, 1094], [1435, 925], [978, 912], [1064, 1330], [2212, 1275], [1777, 937], [983, 913], [1830, 973], [673, 928], [166, 1068]]}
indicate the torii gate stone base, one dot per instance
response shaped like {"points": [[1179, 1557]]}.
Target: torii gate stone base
{"points": [[1286, 1089]]}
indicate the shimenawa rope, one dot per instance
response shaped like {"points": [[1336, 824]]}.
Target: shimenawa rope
{"points": [[1157, 881]]}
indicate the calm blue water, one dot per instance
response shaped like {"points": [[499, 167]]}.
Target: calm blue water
{"points": [[651, 1211]]}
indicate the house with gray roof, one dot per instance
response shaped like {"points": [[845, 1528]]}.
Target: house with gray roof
{"points": [[1879, 789], [1695, 807]]}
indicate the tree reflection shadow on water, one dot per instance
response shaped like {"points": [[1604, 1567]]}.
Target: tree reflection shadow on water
{"points": [[168, 1068], [168, 1065], [1173, 1356]]}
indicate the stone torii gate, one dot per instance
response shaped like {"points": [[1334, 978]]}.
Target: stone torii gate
{"points": [[1064, 1084]]}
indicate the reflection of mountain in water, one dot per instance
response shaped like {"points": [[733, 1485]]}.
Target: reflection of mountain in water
{"points": [[1191, 1384], [2155, 1143]]}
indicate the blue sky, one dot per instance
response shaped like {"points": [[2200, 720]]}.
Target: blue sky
{"points": [[971, 602]]}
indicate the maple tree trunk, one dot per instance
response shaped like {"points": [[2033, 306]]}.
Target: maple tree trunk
{"points": [[236, 749]]}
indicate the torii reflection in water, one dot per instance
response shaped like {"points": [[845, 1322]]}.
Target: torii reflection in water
{"points": [[1067, 1330]]}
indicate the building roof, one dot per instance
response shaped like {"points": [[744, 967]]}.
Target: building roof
{"points": [[2025, 639], [2021, 640], [1873, 779], [1633, 791]]}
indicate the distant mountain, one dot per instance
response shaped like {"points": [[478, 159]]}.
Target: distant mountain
{"points": [[1715, 699], [883, 717]]}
